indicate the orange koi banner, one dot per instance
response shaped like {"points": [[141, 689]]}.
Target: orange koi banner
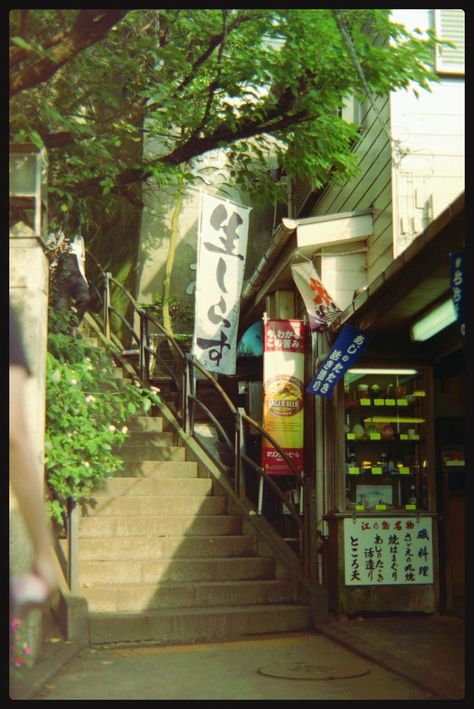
{"points": [[283, 377]]}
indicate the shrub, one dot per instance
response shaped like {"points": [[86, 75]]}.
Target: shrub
{"points": [[87, 409]]}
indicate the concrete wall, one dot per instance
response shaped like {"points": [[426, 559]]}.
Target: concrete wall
{"points": [[156, 231]]}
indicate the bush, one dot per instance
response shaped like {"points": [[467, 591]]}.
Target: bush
{"points": [[86, 413]]}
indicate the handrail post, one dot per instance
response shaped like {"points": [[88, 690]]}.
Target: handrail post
{"points": [[239, 450], [189, 394], [144, 353], [73, 547], [107, 305]]}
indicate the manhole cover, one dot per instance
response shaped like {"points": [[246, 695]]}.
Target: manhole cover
{"points": [[304, 670]]}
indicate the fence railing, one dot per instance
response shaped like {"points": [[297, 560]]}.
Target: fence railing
{"points": [[194, 394]]}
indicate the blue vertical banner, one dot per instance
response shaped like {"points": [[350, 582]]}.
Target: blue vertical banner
{"points": [[457, 286], [348, 347]]}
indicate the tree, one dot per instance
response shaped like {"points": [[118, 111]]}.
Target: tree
{"points": [[90, 84]]}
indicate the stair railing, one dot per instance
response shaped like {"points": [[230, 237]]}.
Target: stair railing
{"points": [[186, 376]]}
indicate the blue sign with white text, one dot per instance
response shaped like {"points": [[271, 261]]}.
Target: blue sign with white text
{"points": [[457, 286], [347, 348]]}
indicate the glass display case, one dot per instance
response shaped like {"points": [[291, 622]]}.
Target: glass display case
{"points": [[387, 433], [381, 552]]}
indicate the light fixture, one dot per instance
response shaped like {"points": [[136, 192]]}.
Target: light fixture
{"points": [[28, 173], [433, 322], [382, 371]]}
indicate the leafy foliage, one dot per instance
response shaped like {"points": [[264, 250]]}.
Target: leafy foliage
{"points": [[254, 82], [87, 409]]}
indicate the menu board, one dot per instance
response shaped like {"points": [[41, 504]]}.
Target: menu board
{"points": [[388, 551]]}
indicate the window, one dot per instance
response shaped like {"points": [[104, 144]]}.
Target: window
{"points": [[449, 25]]}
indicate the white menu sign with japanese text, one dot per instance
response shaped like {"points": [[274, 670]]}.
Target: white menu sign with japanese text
{"points": [[222, 247], [388, 551]]}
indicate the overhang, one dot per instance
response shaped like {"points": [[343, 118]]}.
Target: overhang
{"points": [[331, 229], [413, 282], [296, 238]]}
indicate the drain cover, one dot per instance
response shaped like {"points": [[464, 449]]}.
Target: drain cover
{"points": [[303, 670]]}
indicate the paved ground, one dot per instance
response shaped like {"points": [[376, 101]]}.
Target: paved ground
{"points": [[399, 657]]}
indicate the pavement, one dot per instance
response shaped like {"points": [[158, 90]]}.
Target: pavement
{"points": [[391, 657]]}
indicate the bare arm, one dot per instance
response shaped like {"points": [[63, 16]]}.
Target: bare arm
{"points": [[27, 485]]}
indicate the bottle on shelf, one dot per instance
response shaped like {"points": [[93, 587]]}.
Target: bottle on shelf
{"points": [[412, 495]]}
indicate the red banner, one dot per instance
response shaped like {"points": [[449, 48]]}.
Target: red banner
{"points": [[283, 377]]}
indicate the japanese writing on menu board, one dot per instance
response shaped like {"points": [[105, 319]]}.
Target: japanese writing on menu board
{"points": [[221, 256], [388, 551]]}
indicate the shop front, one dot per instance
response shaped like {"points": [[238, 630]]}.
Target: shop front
{"points": [[392, 531]]}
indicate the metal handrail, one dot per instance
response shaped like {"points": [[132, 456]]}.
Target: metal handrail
{"points": [[184, 376]]}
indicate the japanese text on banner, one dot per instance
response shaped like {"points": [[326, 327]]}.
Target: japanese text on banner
{"points": [[321, 308], [347, 348], [222, 246]]}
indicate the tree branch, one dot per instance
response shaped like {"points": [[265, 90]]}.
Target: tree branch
{"points": [[89, 27]]}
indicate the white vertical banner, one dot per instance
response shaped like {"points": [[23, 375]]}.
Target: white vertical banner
{"points": [[322, 310], [222, 247]]}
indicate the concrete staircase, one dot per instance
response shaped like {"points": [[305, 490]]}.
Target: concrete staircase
{"points": [[163, 560]]}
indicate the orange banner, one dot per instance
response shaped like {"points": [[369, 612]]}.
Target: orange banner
{"points": [[283, 377]]}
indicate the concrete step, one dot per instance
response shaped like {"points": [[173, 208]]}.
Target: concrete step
{"points": [[202, 525], [143, 441], [158, 452], [149, 438], [173, 487], [146, 423], [175, 570], [196, 594], [154, 504], [190, 625], [160, 469], [179, 546]]}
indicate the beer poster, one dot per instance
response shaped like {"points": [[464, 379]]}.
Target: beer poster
{"points": [[283, 376]]}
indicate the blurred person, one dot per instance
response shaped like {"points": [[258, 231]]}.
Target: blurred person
{"points": [[68, 263], [34, 588]]}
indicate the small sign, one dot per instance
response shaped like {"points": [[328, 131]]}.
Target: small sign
{"points": [[354, 471], [404, 470], [379, 402], [390, 402], [381, 551], [350, 436], [375, 436], [365, 402], [380, 507], [404, 436], [402, 402], [346, 350], [377, 471], [410, 507]]}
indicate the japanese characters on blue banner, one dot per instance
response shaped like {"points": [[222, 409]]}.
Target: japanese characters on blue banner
{"points": [[348, 347], [457, 286]]}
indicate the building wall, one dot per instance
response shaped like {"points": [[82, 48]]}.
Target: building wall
{"points": [[411, 167], [156, 232], [428, 173], [345, 269]]}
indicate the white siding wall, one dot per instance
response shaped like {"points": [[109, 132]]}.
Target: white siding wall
{"points": [[430, 130], [342, 274], [407, 182]]}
